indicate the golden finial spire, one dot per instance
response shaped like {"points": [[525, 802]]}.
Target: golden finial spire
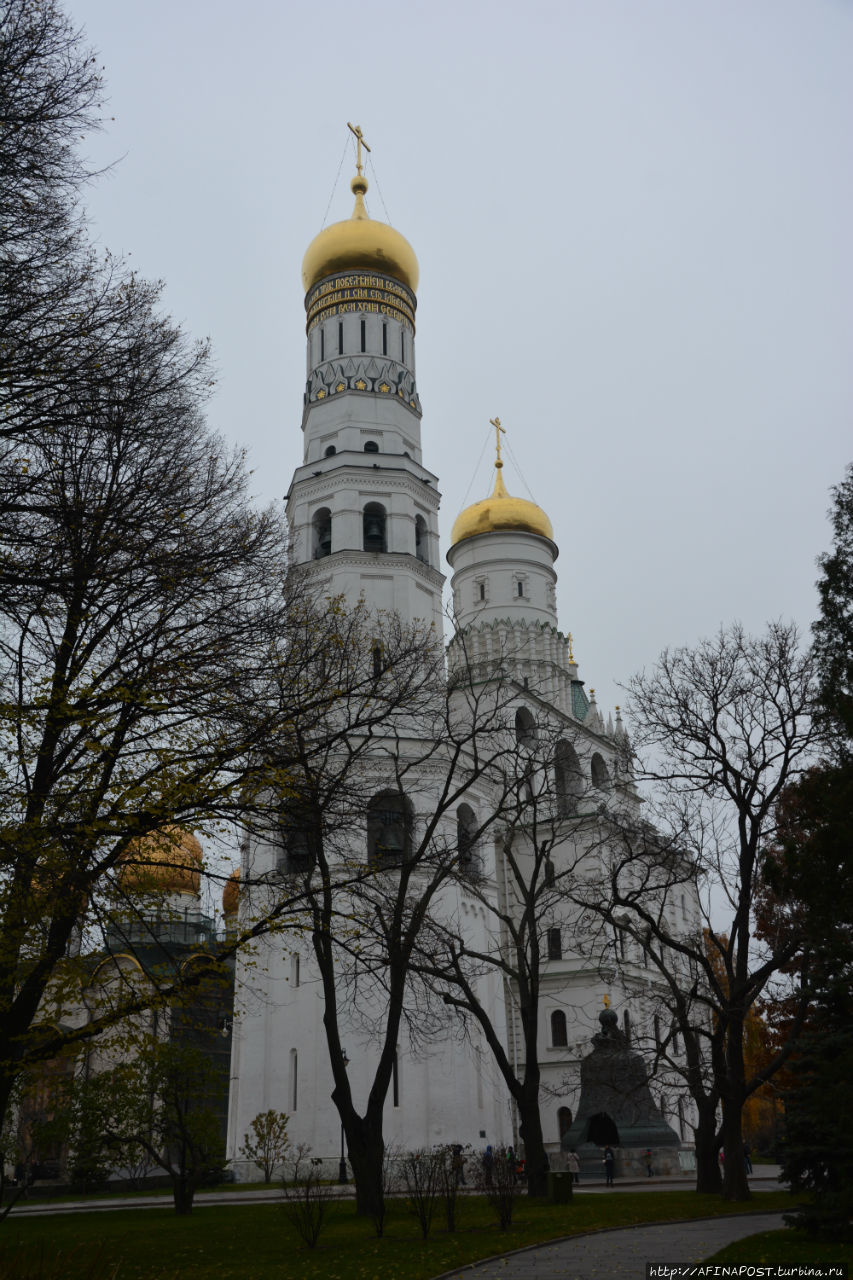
{"points": [[606, 1002], [355, 129], [571, 641], [358, 186], [499, 431]]}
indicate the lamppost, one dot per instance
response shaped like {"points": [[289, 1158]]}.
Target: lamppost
{"points": [[342, 1168]]}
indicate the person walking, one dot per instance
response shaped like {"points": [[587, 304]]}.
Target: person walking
{"points": [[458, 1164], [647, 1156], [609, 1165], [747, 1157], [573, 1165], [488, 1165]]}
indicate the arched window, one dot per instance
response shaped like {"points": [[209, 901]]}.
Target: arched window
{"points": [[564, 1120], [559, 1035], [373, 524], [421, 548], [371, 447], [466, 826], [599, 772], [568, 780], [525, 727], [330, 451], [300, 829], [321, 526], [389, 829]]}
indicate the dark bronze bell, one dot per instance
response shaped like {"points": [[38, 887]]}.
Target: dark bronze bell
{"points": [[374, 533]]}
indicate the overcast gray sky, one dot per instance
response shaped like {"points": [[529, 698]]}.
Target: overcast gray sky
{"points": [[633, 220]]}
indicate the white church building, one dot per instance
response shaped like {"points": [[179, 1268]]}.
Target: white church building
{"points": [[363, 514]]}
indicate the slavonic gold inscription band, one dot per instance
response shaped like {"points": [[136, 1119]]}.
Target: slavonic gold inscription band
{"points": [[361, 291]]}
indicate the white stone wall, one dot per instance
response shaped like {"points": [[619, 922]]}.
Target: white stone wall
{"points": [[448, 1089]]}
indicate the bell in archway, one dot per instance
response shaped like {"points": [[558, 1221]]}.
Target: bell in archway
{"points": [[374, 531]]}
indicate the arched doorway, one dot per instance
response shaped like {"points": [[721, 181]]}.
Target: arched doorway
{"points": [[602, 1130]]}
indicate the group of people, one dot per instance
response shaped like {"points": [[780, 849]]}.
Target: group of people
{"points": [[573, 1164], [747, 1157], [516, 1164]]}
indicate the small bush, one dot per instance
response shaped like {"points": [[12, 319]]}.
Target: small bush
{"points": [[498, 1182], [452, 1176], [422, 1172], [306, 1195]]}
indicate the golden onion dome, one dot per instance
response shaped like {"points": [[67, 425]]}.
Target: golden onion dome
{"points": [[231, 893], [360, 243], [501, 512], [167, 861]]}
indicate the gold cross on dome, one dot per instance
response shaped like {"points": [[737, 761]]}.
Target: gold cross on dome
{"points": [[355, 129], [606, 1002], [499, 431]]}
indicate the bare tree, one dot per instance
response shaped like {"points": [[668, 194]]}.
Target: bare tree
{"points": [[152, 641], [59, 309], [405, 758], [540, 808], [719, 731]]}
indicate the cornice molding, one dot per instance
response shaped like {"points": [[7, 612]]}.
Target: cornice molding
{"points": [[376, 560], [387, 479]]}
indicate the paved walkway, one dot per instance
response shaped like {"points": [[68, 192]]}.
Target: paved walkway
{"points": [[623, 1253], [765, 1178]]}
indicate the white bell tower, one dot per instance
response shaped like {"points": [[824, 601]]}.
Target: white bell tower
{"points": [[362, 508]]}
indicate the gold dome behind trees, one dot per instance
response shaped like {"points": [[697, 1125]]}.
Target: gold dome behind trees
{"points": [[167, 861], [231, 893], [501, 511], [360, 243]]}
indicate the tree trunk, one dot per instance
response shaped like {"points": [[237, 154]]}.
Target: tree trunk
{"points": [[535, 1155], [735, 1183], [183, 1190], [709, 1179], [366, 1153]]}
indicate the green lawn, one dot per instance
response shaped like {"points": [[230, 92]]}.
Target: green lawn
{"points": [[785, 1248], [254, 1242]]}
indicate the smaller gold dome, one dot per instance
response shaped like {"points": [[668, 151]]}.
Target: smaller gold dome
{"points": [[501, 512], [167, 861], [231, 893], [360, 244]]}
